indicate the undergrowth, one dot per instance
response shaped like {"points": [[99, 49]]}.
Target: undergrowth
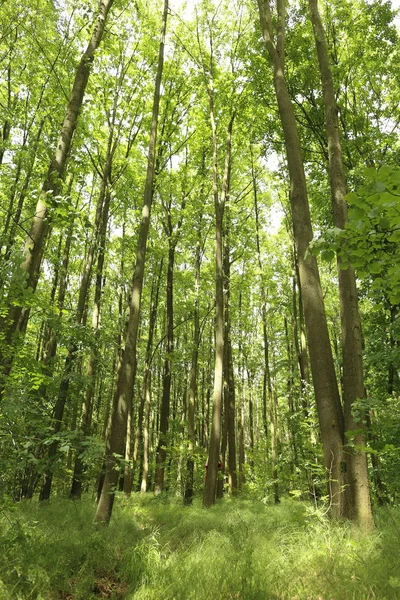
{"points": [[156, 548]]}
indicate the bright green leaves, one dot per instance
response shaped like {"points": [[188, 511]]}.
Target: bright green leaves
{"points": [[370, 240]]}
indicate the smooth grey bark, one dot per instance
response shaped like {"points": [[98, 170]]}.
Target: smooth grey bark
{"points": [[127, 372], [353, 378], [323, 371]]}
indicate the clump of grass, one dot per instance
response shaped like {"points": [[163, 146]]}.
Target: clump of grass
{"points": [[53, 551], [157, 548]]}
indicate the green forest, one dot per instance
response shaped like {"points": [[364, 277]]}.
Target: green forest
{"points": [[199, 299]]}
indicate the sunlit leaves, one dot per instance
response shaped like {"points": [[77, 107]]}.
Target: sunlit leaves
{"points": [[370, 239]]}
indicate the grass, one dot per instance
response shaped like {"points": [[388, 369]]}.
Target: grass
{"points": [[158, 549]]}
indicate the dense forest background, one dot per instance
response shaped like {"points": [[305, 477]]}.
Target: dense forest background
{"points": [[188, 337]]}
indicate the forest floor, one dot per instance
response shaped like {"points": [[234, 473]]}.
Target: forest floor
{"points": [[155, 548]]}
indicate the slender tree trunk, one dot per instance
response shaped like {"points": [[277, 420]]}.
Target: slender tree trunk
{"points": [[219, 204], [290, 393], [229, 387], [188, 497], [324, 377], [267, 388], [273, 407], [393, 376], [172, 232], [127, 374], [231, 423], [143, 432], [242, 401], [251, 417], [299, 333], [161, 452], [242, 457], [353, 379], [146, 431]]}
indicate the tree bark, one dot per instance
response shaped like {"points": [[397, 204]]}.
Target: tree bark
{"points": [[229, 380], [145, 433], [267, 387], [188, 496], [324, 378], [353, 378], [127, 374], [210, 484]]}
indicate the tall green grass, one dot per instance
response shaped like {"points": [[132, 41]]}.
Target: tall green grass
{"points": [[158, 549]]}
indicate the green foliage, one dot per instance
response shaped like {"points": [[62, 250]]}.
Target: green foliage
{"points": [[370, 240]]}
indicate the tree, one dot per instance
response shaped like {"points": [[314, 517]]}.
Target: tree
{"points": [[353, 380], [323, 371], [127, 370]]}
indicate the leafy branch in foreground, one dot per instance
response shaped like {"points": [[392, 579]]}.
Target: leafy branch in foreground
{"points": [[370, 240]]}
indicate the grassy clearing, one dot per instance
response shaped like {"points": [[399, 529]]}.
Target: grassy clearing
{"points": [[158, 549]]}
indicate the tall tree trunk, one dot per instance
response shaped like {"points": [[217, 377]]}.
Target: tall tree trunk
{"points": [[219, 204], [231, 424], [161, 452], [251, 417], [188, 497], [127, 374], [394, 343], [353, 379], [144, 431], [172, 232], [35, 242], [242, 401], [267, 388], [229, 387], [273, 418], [324, 377], [290, 393], [299, 333]]}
